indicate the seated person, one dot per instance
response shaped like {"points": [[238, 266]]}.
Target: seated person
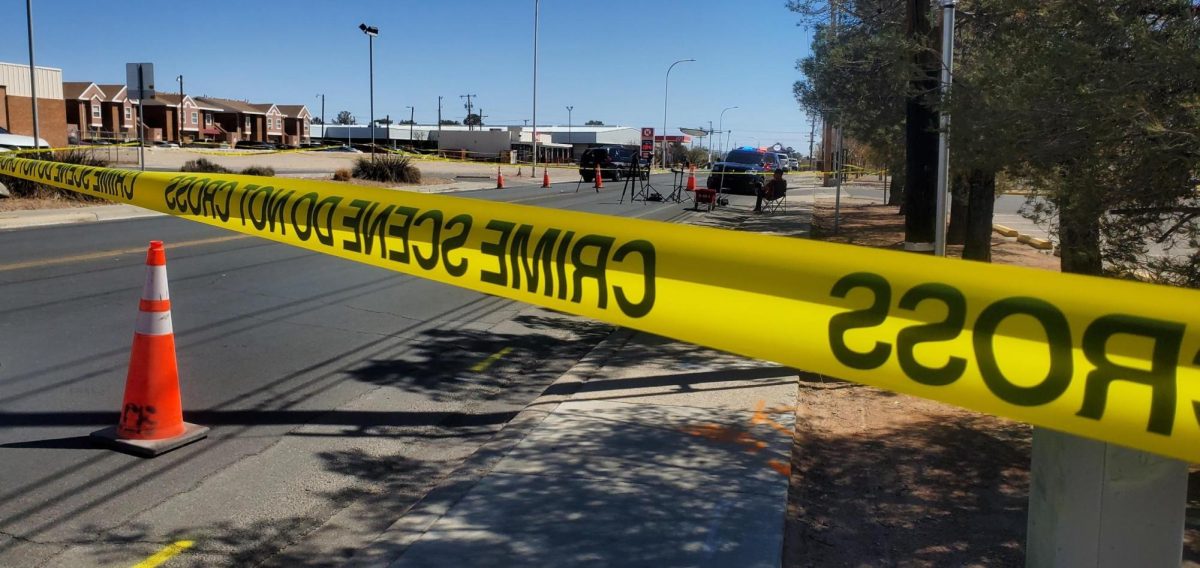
{"points": [[772, 191]]}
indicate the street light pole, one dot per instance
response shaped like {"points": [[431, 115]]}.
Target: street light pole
{"points": [[666, 84], [939, 228], [322, 95], [570, 140], [371, 32], [179, 133], [37, 139], [412, 112], [536, 4], [721, 126]]}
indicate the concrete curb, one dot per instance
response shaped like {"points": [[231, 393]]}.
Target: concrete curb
{"points": [[390, 545], [10, 221], [50, 217], [1023, 238]]}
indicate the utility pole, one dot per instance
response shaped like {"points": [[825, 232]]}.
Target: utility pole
{"points": [[439, 120], [468, 105], [812, 132]]}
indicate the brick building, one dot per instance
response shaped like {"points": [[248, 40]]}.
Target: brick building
{"points": [[16, 109]]}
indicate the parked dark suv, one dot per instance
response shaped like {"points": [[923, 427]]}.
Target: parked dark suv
{"points": [[743, 169], [614, 162]]}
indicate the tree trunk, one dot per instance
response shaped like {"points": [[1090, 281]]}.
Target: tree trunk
{"points": [[896, 168], [981, 196], [956, 233], [1079, 233], [921, 137]]}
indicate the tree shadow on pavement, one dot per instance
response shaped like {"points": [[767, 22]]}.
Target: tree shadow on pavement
{"points": [[396, 483], [612, 484], [516, 359]]}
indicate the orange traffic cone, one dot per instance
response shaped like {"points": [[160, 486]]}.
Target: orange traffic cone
{"points": [[151, 419], [691, 183], [499, 179], [599, 178], [545, 177]]}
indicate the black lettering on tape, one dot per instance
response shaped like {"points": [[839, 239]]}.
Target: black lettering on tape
{"points": [[1196, 403], [1058, 339], [456, 242], [1160, 377], [429, 262], [596, 271], [497, 249], [400, 231], [945, 330], [309, 200], [539, 268], [560, 263], [329, 205], [375, 225], [636, 309], [352, 222], [870, 316]]}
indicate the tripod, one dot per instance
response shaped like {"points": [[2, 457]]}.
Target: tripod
{"points": [[634, 175]]}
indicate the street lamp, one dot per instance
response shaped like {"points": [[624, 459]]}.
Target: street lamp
{"points": [[371, 32], [37, 139], [721, 126], [569, 141], [666, 84], [536, 3], [322, 97], [411, 113], [179, 133]]}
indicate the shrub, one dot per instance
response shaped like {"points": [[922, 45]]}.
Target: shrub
{"points": [[204, 165], [266, 171], [341, 174], [387, 168], [24, 188]]}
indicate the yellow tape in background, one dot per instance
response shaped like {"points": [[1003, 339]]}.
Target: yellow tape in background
{"points": [[1113, 360]]}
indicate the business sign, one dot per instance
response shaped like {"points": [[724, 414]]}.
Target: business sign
{"points": [[647, 143]]}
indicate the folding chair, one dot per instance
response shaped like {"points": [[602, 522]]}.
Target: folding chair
{"points": [[775, 204]]}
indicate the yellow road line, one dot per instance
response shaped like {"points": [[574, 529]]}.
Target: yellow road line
{"points": [[108, 253], [484, 364], [168, 552]]}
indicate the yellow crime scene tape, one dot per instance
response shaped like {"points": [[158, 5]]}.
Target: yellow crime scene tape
{"points": [[1113, 360]]}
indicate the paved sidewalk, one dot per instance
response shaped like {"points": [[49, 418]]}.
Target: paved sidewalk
{"points": [[667, 455]]}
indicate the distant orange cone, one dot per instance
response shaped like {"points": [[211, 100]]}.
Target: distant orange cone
{"points": [[545, 177], [599, 178], [499, 179], [691, 183], [151, 420]]}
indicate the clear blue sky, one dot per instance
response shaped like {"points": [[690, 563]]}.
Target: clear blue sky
{"points": [[608, 59]]}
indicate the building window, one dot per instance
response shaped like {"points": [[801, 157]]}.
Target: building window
{"points": [[95, 110], [208, 119], [248, 129], [194, 117], [278, 123], [128, 114]]}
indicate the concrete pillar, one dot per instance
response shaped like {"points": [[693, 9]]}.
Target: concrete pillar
{"points": [[1099, 505]]}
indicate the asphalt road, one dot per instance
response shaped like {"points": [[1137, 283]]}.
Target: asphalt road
{"points": [[337, 393]]}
